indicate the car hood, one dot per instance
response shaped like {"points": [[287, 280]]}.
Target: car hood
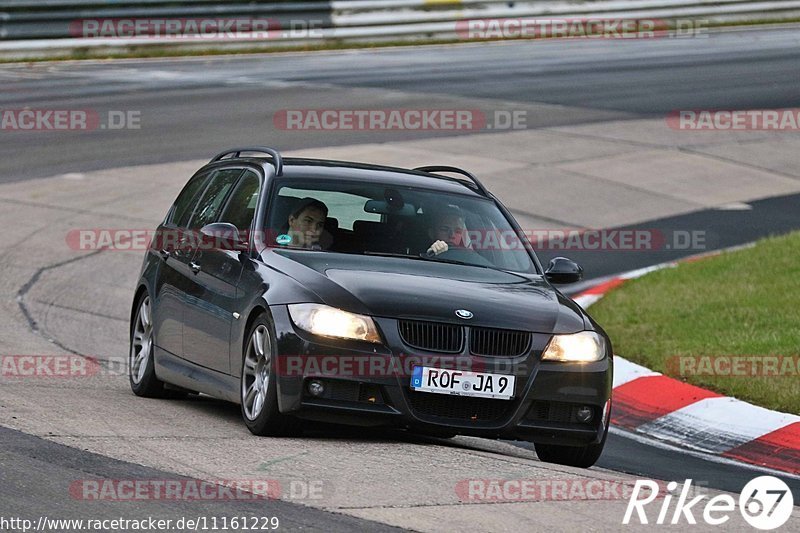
{"points": [[429, 290]]}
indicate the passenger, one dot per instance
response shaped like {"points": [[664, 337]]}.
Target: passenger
{"points": [[306, 223]]}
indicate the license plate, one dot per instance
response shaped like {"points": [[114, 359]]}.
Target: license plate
{"points": [[462, 383]]}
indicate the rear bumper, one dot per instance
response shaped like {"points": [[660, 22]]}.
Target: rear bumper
{"points": [[369, 385]]}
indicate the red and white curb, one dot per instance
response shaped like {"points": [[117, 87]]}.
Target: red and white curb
{"points": [[670, 410]]}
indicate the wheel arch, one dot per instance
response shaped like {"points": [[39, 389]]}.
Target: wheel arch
{"points": [[140, 290], [260, 308]]}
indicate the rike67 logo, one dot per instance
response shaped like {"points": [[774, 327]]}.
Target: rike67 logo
{"points": [[765, 503]]}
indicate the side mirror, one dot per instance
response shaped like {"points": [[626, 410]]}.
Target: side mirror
{"points": [[223, 236], [563, 270]]}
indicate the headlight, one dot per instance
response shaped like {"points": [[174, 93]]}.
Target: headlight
{"points": [[331, 322], [583, 347]]}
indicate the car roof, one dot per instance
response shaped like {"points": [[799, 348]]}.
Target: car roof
{"points": [[298, 167], [323, 168]]}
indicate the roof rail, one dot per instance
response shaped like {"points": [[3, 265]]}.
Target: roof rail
{"points": [[444, 168], [277, 160]]}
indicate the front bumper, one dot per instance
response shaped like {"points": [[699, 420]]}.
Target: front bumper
{"points": [[369, 385]]}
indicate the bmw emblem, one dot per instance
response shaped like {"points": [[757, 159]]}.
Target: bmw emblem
{"points": [[463, 313]]}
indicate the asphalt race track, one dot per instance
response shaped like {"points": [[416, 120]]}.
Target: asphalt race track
{"points": [[58, 301], [559, 83]]}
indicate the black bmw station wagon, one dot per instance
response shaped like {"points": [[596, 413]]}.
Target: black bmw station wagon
{"points": [[315, 290]]}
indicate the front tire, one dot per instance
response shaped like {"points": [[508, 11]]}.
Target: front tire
{"points": [[259, 387]]}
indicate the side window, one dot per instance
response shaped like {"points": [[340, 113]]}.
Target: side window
{"points": [[209, 206], [184, 204], [241, 208]]}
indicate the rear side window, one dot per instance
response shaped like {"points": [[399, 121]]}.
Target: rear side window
{"points": [[241, 208], [210, 204], [184, 205]]}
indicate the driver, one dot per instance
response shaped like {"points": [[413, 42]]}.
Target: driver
{"points": [[448, 231]]}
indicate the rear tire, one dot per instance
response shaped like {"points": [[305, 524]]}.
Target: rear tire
{"points": [[579, 456], [141, 361], [258, 384]]}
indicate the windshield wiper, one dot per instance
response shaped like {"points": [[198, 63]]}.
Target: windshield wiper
{"points": [[436, 259], [423, 257], [389, 254]]}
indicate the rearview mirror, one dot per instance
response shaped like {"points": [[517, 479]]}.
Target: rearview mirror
{"points": [[383, 207], [222, 236], [563, 270]]}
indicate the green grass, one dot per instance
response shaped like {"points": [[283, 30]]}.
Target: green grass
{"points": [[745, 302]]}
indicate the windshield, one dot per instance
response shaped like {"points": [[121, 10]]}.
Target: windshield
{"points": [[395, 220]]}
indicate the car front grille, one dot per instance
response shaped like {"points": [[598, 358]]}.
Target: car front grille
{"points": [[458, 407], [432, 336], [449, 338], [498, 342]]}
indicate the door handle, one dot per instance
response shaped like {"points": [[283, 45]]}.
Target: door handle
{"points": [[194, 266]]}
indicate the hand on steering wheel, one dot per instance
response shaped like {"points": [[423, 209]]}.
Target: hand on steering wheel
{"points": [[437, 248]]}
